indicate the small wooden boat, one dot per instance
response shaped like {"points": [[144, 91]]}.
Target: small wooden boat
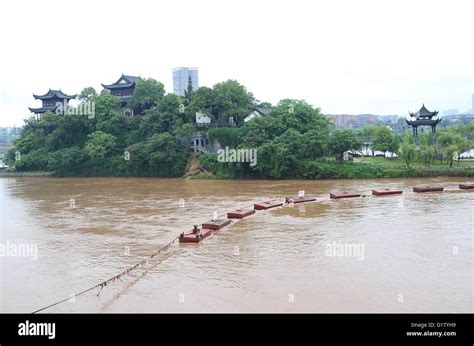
{"points": [[385, 192], [240, 213], [194, 236], [216, 224], [427, 188], [298, 199], [466, 186], [267, 205], [344, 194]]}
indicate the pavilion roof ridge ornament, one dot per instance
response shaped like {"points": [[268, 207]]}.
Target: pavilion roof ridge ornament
{"points": [[42, 109], [52, 93]]}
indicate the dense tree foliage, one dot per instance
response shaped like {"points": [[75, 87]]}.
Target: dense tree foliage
{"points": [[408, 149], [366, 134], [224, 102], [452, 145], [382, 139], [87, 94], [147, 94], [293, 141], [342, 141]]}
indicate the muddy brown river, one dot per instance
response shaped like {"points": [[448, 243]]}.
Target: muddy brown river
{"points": [[405, 253]]}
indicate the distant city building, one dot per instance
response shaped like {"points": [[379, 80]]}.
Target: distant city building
{"points": [[8, 135], [51, 100], [3, 135], [352, 121], [451, 111], [472, 104], [458, 119], [388, 119], [367, 119], [181, 77], [123, 88]]}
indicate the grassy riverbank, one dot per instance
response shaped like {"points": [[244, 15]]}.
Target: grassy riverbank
{"points": [[205, 167], [361, 168], [26, 174], [397, 162]]}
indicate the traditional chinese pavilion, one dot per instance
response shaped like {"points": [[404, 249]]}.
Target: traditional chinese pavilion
{"points": [[423, 117], [51, 100], [123, 89]]}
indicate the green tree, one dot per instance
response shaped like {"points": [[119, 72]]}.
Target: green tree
{"points": [[171, 103], [298, 115], [232, 100], [382, 139], [99, 145], [188, 93], [366, 134], [263, 130], [342, 140], [204, 101], [157, 121], [105, 105], [394, 144], [453, 144], [148, 93], [87, 94], [316, 143], [66, 160], [227, 136], [427, 154], [408, 150], [33, 139], [449, 152], [294, 142], [35, 160], [463, 144], [276, 161], [166, 155], [185, 130], [72, 130]]}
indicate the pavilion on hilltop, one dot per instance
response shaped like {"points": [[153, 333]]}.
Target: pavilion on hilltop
{"points": [[123, 88], [51, 101]]}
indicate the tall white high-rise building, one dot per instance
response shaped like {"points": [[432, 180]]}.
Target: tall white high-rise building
{"points": [[181, 77]]}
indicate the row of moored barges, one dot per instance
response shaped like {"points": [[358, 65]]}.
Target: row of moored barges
{"points": [[209, 227]]}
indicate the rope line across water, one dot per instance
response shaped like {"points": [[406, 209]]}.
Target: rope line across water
{"points": [[112, 279], [118, 276]]}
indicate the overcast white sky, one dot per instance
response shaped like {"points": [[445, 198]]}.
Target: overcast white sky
{"points": [[381, 57]]}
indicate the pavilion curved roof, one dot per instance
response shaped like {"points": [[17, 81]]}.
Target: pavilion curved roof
{"points": [[124, 81], [42, 109], [423, 121], [54, 94], [423, 113]]}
